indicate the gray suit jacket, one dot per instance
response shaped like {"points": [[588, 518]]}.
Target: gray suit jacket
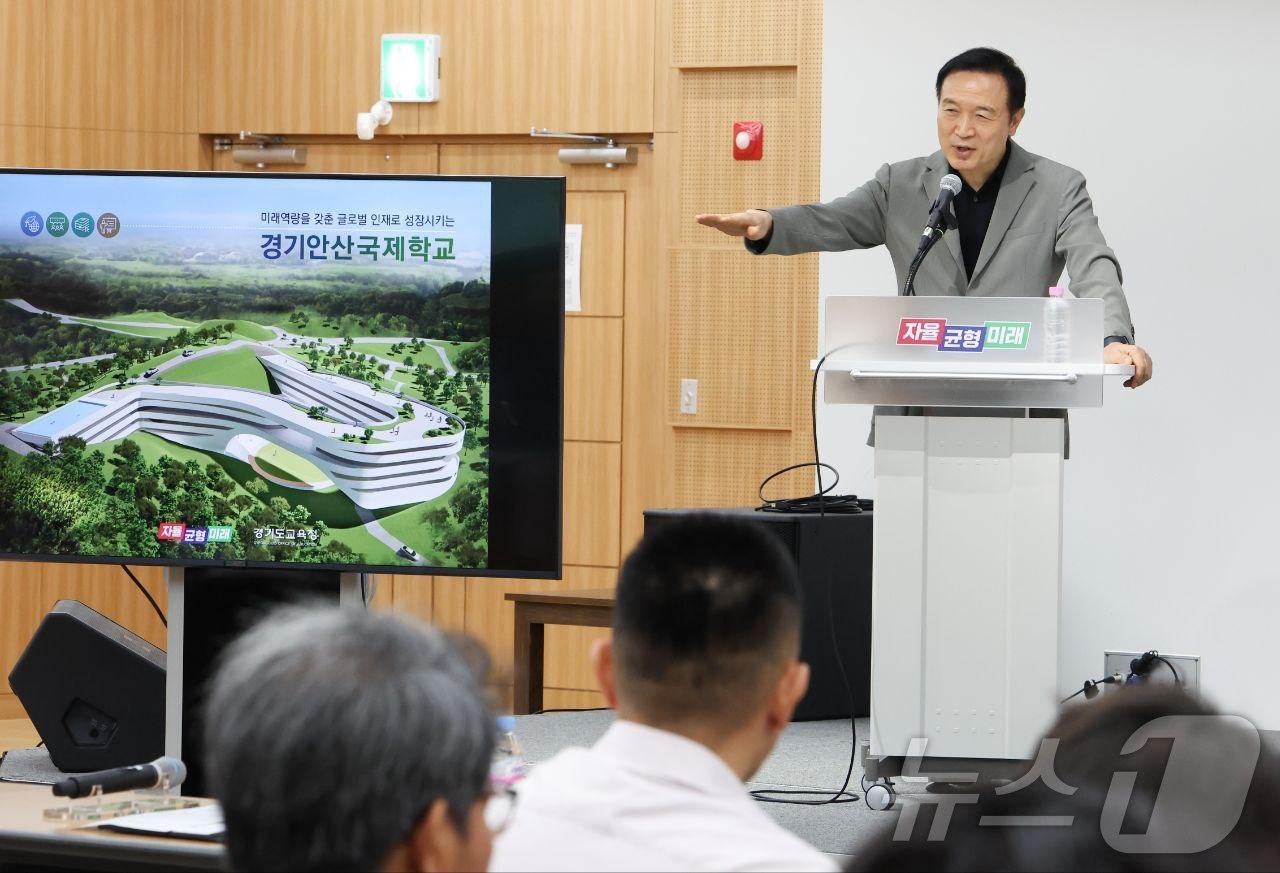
{"points": [[1043, 222]]}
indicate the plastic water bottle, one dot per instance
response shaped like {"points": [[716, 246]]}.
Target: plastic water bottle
{"points": [[509, 765], [1057, 338]]}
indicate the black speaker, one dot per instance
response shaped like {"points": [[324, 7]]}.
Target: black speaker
{"points": [[833, 556], [93, 689]]}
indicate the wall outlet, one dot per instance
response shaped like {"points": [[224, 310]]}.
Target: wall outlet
{"points": [[1188, 667], [688, 396]]}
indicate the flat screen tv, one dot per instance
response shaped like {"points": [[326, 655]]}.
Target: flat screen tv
{"points": [[338, 372]]}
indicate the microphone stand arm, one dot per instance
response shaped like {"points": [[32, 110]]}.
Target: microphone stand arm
{"points": [[940, 222], [926, 245]]}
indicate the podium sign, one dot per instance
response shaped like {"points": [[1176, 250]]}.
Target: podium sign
{"points": [[964, 351]]}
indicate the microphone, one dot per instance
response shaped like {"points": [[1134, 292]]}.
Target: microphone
{"points": [[151, 775], [948, 188]]}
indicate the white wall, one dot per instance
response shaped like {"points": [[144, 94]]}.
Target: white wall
{"points": [[1170, 111]]}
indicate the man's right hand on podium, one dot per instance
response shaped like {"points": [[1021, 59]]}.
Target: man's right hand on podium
{"points": [[754, 224]]}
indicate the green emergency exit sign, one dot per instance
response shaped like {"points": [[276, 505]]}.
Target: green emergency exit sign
{"points": [[410, 67]]}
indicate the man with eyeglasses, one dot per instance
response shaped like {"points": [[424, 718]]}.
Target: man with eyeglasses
{"points": [[340, 739]]}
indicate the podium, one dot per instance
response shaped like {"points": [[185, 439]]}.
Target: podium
{"points": [[967, 556]]}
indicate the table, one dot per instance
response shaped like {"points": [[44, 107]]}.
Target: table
{"points": [[534, 611], [27, 839]]}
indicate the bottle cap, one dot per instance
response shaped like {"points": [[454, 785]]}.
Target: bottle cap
{"points": [[1057, 291], [506, 723]]}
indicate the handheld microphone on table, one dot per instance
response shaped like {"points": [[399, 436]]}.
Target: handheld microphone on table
{"points": [[937, 225], [163, 772]]}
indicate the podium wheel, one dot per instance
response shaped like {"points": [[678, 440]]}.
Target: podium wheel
{"points": [[880, 797]]}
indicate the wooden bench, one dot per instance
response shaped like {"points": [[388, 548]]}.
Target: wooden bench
{"points": [[589, 608]]}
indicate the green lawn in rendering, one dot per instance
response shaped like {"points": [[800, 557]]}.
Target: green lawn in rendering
{"points": [[237, 368], [150, 318], [428, 355], [243, 329], [285, 464]]}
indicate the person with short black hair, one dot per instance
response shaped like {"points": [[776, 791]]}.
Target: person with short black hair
{"points": [[1020, 218], [1148, 779], [340, 739], [703, 670]]}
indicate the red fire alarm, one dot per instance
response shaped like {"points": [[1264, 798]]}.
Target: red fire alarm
{"points": [[748, 140]]}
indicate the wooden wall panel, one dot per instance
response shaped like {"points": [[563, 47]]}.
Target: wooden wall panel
{"points": [[725, 467], [734, 33], [375, 157], [592, 472], [22, 33], [297, 66], [16, 735], [120, 150], [565, 698], [584, 66], [602, 215], [593, 379], [808, 167], [491, 618], [22, 146], [569, 648], [730, 326], [647, 469], [409, 594], [710, 179], [22, 605], [752, 60], [117, 65], [11, 708], [449, 602]]}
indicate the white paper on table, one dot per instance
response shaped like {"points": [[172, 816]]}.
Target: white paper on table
{"points": [[573, 268], [201, 822]]}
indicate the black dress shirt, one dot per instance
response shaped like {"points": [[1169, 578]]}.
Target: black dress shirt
{"points": [[973, 213]]}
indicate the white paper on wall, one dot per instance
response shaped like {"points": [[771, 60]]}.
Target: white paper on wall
{"points": [[573, 268]]}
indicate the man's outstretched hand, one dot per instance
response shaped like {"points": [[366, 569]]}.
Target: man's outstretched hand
{"points": [[1119, 353], [754, 224]]}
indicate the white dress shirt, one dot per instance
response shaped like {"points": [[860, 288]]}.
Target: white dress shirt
{"points": [[644, 799]]}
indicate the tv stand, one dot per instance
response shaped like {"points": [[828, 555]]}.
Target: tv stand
{"points": [[208, 608]]}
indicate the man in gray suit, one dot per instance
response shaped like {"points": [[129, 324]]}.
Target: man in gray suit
{"points": [[1020, 219]]}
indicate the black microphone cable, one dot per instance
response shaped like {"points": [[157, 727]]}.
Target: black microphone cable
{"points": [[842, 795], [940, 219]]}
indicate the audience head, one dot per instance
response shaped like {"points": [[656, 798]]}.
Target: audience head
{"points": [[340, 739], [706, 631], [1181, 755]]}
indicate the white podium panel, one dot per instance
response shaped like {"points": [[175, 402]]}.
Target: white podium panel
{"points": [[967, 576]]}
